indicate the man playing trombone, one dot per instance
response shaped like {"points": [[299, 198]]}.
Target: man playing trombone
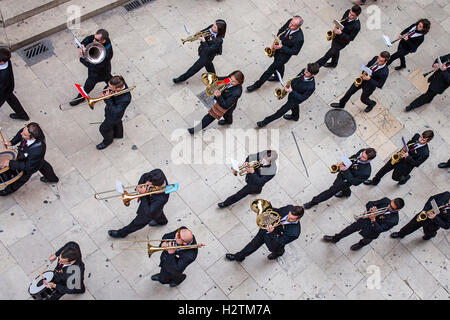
{"points": [[380, 217], [150, 211]]}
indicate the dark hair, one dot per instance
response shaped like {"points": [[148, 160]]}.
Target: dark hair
{"points": [[221, 28], [298, 211], [371, 153], [157, 178], [428, 134], [313, 68], [356, 9], [35, 131], [271, 155], [104, 33], [238, 75], [70, 254], [117, 81], [5, 54], [399, 203], [385, 55], [301, 19], [426, 25]]}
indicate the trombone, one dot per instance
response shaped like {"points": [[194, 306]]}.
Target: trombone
{"points": [[152, 249], [368, 213]]}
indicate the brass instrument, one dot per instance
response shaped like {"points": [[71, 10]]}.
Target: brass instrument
{"points": [[94, 53], [334, 168], [152, 249], [423, 215], [265, 215], [252, 164], [359, 80], [92, 101], [212, 83], [367, 214], [396, 157], [330, 33], [276, 41], [280, 93], [196, 36]]}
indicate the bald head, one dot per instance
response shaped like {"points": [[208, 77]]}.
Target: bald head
{"points": [[186, 235], [296, 23]]}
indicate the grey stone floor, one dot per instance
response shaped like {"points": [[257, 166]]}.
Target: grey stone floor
{"points": [[148, 53]]}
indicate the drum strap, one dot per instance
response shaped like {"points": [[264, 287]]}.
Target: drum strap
{"points": [[217, 111]]}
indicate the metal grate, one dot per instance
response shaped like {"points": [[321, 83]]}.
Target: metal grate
{"points": [[208, 101], [340, 122], [34, 50], [37, 52], [133, 5]]}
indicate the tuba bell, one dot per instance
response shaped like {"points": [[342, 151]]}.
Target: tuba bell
{"points": [[265, 215], [94, 53]]}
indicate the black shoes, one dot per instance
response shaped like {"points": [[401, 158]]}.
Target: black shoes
{"points": [[308, 205], [356, 246], [399, 68], [340, 194], [260, 124], [19, 116], [408, 108], [272, 256], [191, 130], [77, 100], [101, 146], [443, 165], [329, 239], [369, 108], [396, 235], [221, 205], [404, 180], [115, 234], [289, 117], [337, 105], [155, 277], [44, 179], [427, 237], [329, 65], [153, 223], [372, 182], [223, 122], [273, 78], [251, 88], [232, 257], [176, 80]]}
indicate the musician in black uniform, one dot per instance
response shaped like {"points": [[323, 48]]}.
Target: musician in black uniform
{"points": [[302, 87], [174, 262], [255, 178], [291, 37], [379, 75], [275, 238], [210, 47], [417, 153], [7, 86], [112, 126], [342, 37], [68, 275], [411, 38], [353, 175], [371, 226], [225, 102], [150, 211], [439, 82], [30, 158], [433, 222]]}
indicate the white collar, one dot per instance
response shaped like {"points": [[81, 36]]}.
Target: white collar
{"points": [[213, 33], [292, 31], [4, 66], [30, 142], [379, 67], [352, 20]]}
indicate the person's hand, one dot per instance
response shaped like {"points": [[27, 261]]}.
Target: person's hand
{"points": [[278, 46], [169, 244], [337, 31], [342, 167], [270, 228], [404, 154], [52, 258], [288, 89], [399, 37], [217, 93], [443, 67], [50, 285], [4, 163], [365, 76], [142, 189], [202, 39], [373, 209], [436, 65], [8, 144], [432, 214], [250, 170], [373, 217]]}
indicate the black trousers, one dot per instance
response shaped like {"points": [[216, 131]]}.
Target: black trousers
{"points": [[277, 64], [338, 185], [111, 131], [140, 222], [93, 79], [56, 295], [400, 54], [166, 277], [245, 191], [14, 103], [203, 61], [289, 105], [354, 227], [254, 245], [46, 170], [208, 119], [429, 227], [425, 98], [333, 54], [365, 96], [385, 169]]}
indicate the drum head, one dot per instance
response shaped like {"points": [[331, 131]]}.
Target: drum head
{"points": [[6, 154], [37, 285]]}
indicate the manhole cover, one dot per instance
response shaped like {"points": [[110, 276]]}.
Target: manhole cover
{"points": [[340, 122], [37, 52], [208, 101]]}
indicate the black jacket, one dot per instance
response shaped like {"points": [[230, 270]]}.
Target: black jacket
{"points": [[153, 205], [6, 81], [351, 29], [441, 220], [411, 44], [283, 234], [382, 222], [414, 159], [115, 107], [262, 175], [377, 79], [229, 97], [292, 44], [176, 263], [63, 274], [211, 47], [301, 89], [30, 158], [357, 173], [104, 67], [440, 80]]}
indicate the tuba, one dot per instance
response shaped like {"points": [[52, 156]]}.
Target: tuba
{"points": [[252, 164], [195, 37], [94, 53], [265, 215], [212, 83]]}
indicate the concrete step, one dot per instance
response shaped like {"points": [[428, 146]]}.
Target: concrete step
{"points": [[53, 20]]}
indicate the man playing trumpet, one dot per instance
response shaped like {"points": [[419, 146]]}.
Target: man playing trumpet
{"points": [[368, 83], [416, 154], [381, 216]]}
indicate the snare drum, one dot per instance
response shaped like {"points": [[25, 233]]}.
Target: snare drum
{"points": [[8, 175], [38, 290]]}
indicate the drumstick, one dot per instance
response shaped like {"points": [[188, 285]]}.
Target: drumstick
{"points": [[1, 136]]}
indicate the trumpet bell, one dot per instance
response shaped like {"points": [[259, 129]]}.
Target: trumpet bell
{"points": [[395, 158], [422, 216], [358, 81], [334, 168], [330, 35], [269, 52]]}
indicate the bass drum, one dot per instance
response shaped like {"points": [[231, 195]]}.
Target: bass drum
{"points": [[8, 175], [38, 290]]}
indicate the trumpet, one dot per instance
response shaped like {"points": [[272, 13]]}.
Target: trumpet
{"points": [[368, 213], [252, 164], [196, 36], [423, 215], [276, 41], [265, 215], [359, 80], [212, 83], [152, 249], [330, 33]]}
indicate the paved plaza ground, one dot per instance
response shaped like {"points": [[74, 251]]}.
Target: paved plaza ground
{"points": [[40, 218]]}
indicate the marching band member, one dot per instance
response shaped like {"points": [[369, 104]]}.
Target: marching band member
{"points": [[369, 83], [275, 238], [439, 82], [96, 72], [302, 87], [66, 278], [174, 262], [30, 157], [353, 175], [150, 211], [210, 47], [343, 37], [7, 87], [226, 102], [417, 153], [433, 222], [411, 38], [255, 178], [375, 223], [291, 37], [112, 126]]}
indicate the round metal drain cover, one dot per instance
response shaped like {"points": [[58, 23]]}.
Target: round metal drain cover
{"points": [[340, 122]]}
